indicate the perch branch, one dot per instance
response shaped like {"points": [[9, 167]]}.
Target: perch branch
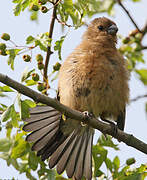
{"points": [[129, 139]]}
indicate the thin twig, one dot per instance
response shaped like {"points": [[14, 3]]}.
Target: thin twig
{"points": [[144, 47], [139, 97], [144, 30], [63, 23], [49, 52], [127, 12], [129, 139]]}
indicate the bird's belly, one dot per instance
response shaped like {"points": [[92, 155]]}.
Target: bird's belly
{"points": [[100, 96]]}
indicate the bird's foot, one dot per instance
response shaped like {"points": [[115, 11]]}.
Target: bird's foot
{"points": [[113, 126], [87, 116]]}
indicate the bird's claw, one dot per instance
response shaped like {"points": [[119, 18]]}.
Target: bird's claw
{"points": [[87, 116]]}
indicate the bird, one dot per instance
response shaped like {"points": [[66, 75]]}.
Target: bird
{"points": [[94, 79]]}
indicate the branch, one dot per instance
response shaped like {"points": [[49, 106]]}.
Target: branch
{"points": [[143, 47], [139, 97], [49, 52], [144, 30], [127, 12], [129, 139]]}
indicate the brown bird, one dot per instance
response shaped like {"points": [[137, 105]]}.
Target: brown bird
{"points": [[93, 78]]}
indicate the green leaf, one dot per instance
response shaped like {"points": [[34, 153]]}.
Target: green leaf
{"points": [[142, 75], [130, 161], [10, 113], [33, 161], [30, 82], [25, 4], [116, 163], [17, 9], [7, 114], [29, 176], [107, 142], [58, 46], [108, 164], [17, 1], [12, 54], [30, 39], [5, 89], [43, 41], [34, 16], [5, 144], [26, 74], [99, 156], [20, 148], [24, 108], [5, 156]]}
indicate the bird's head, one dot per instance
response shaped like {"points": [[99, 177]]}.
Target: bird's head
{"points": [[101, 29]]}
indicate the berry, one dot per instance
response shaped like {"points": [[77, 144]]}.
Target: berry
{"points": [[34, 7], [5, 36], [2, 46], [40, 65], [27, 58], [126, 40], [40, 86], [44, 9], [3, 53], [57, 66], [35, 77], [39, 58], [42, 2]]}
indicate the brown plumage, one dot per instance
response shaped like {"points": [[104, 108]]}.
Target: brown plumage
{"points": [[93, 78]]}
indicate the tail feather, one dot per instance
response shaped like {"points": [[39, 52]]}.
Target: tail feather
{"points": [[35, 125], [39, 144], [88, 158], [59, 151], [42, 132], [41, 116], [61, 165], [41, 109], [72, 162], [53, 145], [71, 151], [81, 159]]}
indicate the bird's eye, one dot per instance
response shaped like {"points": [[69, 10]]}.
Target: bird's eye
{"points": [[100, 28]]}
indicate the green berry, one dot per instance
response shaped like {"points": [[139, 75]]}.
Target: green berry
{"points": [[39, 58], [138, 36], [130, 161], [35, 77], [27, 58], [42, 2], [3, 53], [2, 46], [5, 36], [40, 65], [44, 9], [126, 40], [57, 66], [34, 7], [40, 86]]}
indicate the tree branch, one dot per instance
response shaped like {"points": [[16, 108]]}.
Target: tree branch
{"points": [[129, 139], [49, 52], [139, 97], [127, 12]]}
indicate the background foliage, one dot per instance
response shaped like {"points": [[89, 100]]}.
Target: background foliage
{"points": [[70, 14]]}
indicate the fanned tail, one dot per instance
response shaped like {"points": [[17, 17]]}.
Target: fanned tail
{"points": [[71, 152]]}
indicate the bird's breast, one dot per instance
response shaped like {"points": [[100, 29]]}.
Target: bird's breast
{"points": [[95, 83]]}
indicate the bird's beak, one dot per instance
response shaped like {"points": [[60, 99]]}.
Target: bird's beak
{"points": [[112, 30]]}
